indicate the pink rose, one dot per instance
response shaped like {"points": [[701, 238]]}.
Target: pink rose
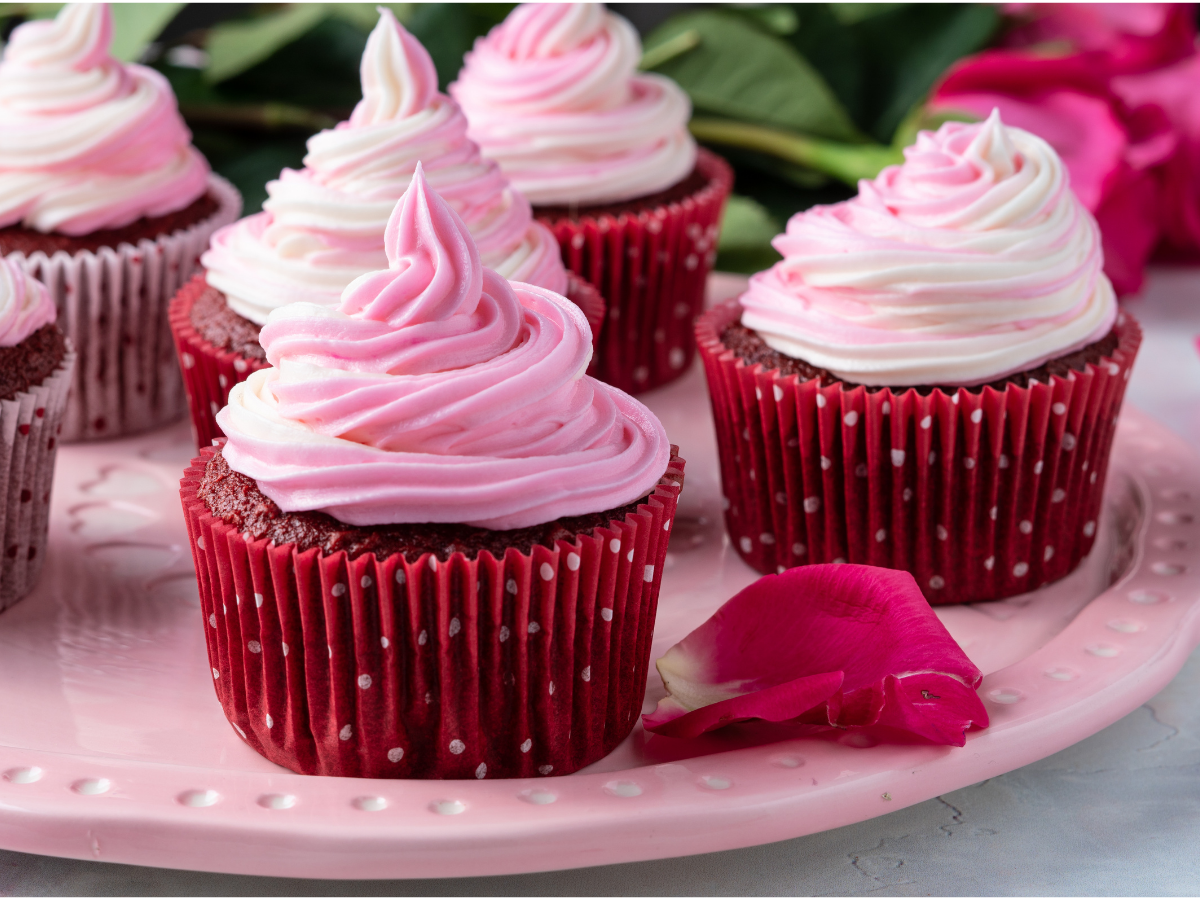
{"points": [[1110, 149]]}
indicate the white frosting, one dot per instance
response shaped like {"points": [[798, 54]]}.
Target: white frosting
{"points": [[323, 226], [552, 95], [971, 261], [87, 143], [25, 304]]}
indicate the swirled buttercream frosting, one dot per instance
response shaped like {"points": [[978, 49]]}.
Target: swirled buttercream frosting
{"points": [[86, 142], [322, 226], [971, 261], [437, 391], [25, 304], [552, 94]]}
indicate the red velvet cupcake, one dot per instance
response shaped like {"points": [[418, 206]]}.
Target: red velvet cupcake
{"points": [[430, 548], [930, 379], [104, 199], [605, 157]]}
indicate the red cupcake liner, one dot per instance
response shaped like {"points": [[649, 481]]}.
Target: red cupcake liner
{"points": [[652, 268], [209, 371], [29, 427], [980, 494], [112, 304], [534, 664]]}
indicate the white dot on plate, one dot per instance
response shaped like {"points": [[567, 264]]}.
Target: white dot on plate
{"points": [[1148, 597], [369, 804], [1062, 673], [538, 797], [624, 788], [716, 782], [24, 775], [1103, 650], [1005, 695], [198, 798], [277, 801], [1126, 626], [92, 786], [448, 807]]}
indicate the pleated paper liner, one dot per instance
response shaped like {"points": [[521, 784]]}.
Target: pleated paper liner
{"points": [[534, 664], [29, 426], [112, 304], [651, 267], [981, 494], [209, 371]]}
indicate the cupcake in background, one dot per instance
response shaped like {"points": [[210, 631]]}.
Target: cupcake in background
{"points": [[35, 375], [930, 379], [323, 226], [104, 199], [604, 155], [431, 547]]}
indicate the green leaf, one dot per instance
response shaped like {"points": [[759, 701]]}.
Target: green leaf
{"points": [[853, 13], [746, 232], [366, 15], [742, 72], [449, 30], [135, 25], [234, 47], [777, 18]]}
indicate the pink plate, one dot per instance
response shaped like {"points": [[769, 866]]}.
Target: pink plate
{"points": [[113, 747]]}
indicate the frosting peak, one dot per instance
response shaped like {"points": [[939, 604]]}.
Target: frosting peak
{"points": [[438, 392], [971, 261], [86, 142], [25, 304], [323, 226], [552, 94]]}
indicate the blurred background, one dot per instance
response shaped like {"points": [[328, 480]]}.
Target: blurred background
{"points": [[803, 99]]}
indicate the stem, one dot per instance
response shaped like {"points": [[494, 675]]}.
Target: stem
{"points": [[262, 116], [845, 162], [669, 49]]}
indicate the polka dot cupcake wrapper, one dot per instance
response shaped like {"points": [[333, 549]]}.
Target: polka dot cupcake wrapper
{"points": [[112, 304], [209, 372], [980, 494], [29, 435], [534, 664], [651, 268]]}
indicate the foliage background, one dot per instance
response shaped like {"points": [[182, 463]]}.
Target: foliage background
{"points": [[803, 99]]}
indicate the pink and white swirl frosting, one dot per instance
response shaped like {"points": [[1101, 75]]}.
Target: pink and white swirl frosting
{"points": [[323, 226], [971, 261], [438, 392], [552, 95], [87, 142], [25, 304]]}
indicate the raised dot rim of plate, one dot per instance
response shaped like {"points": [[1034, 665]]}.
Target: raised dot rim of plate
{"points": [[1146, 597], [858, 740], [538, 797], [92, 786], [1168, 568], [716, 782], [1062, 673], [277, 801], [369, 804], [448, 807], [1105, 651], [1126, 626], [1175, 494], [1171, 543], [24, 774], [787, 762], [199, 798], [623, 788], [1175, 517], [1005, 695]]}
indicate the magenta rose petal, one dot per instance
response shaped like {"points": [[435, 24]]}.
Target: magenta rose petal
{"points": [[842, 645]]}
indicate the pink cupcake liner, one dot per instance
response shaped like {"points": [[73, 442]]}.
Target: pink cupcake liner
{"points": [[652, 268], [981, 494], [209, 371], [29, 426], [112, 304], [534, 664]]}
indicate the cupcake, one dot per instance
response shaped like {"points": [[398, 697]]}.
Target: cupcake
{"points": [[35, 375], [431, 546], [103, 198], [605, 157], [322, 226], [930, 379]]}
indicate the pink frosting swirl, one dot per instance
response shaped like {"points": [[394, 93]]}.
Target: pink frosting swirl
{"points": [[438, 392], [88, 143], [971, 261], [25, 304], [323, 226], [552, 95]]}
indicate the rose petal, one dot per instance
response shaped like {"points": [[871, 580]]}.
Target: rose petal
{"points": [[841, 645]]}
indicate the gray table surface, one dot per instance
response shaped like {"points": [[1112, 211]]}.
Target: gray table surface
{"points": [[1117, 814]]}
